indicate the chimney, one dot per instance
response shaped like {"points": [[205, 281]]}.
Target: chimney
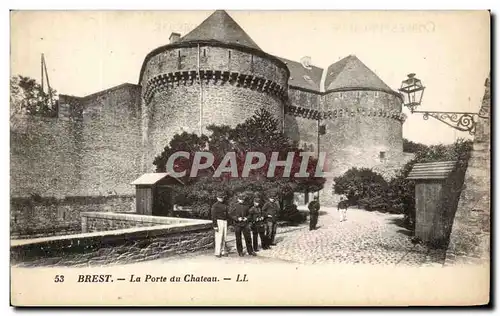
{"points": [[174, 37], [306, 62]]}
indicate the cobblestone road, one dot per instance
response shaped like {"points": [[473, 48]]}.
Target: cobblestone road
{"points": [[366, 237]]}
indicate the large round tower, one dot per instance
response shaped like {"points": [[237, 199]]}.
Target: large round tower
{"points": [[363, 118], [216, 74]]}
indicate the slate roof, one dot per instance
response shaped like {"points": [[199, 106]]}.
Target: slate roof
{"points": [[347, 73], [432, 170], [350, 72], [220, 27], [302, 77]]}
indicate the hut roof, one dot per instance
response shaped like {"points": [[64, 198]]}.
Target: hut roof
{"points": [[432, 170], [151, 178]]}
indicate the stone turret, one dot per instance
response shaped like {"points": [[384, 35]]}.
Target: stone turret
{"points": [[215, 74]]}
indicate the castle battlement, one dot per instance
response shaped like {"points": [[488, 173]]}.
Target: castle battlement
{"points": [[214, 75]]}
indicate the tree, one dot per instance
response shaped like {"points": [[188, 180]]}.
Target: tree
{"points": [[260, 133], [188, 142], [27, 97], [412, 147]]}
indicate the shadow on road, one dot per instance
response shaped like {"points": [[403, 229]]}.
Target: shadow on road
{"points": [[406, 232], [400, 222]]}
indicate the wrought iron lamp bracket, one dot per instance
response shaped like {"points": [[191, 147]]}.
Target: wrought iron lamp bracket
{"points": [[462, 121]]}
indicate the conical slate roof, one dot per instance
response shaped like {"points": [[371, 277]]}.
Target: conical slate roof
{"points": [[350, 72], [220, 27]]}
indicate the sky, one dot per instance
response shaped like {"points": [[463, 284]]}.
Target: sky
{"points": [[89, 51]]}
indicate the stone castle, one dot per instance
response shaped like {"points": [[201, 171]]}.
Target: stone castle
{"points": [[215, 74]]}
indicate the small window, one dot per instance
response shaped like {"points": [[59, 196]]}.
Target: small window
{"points": [[229, 54], [61, 214], [204, 52], [376, 94], [179, 60], [382, 155]]}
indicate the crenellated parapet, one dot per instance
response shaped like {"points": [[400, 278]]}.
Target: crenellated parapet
{"points": [[368, 112], [306, 113], [246, 81], [343, 113]]}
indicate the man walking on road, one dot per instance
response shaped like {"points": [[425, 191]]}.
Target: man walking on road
{"points": [[270, 211], [342, 207], [241, 220], [219, 219], [313, 213]]}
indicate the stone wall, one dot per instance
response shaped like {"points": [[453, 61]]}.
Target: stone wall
{"points": [[43, 157], [470, 235], [92, 148], [37, 217], [114, 247], [103, 221], [111, 141]]}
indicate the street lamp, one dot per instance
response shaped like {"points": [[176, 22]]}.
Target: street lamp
{"points": [[413, 90]]}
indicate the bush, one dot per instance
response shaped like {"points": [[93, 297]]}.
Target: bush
{"points": [[201, 210], [376, 203], [370, 191], [292, 215], [357, 184]]}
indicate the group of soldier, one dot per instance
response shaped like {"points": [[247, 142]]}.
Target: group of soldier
{"points": [[258, 220]]}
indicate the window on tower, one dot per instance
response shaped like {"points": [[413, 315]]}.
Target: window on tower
{"points": [[382, 156], [179, 60]]}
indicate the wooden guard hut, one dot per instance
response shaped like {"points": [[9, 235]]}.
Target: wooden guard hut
{"points": [[437, 190], [154, 194]]}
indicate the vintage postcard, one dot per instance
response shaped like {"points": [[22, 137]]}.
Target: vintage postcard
{"points": [[250, 158]]}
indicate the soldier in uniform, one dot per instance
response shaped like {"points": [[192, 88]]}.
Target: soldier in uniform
{"points": [[270, 211], [220, 217], [258, 224], [241, 221], [313, 213]]}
